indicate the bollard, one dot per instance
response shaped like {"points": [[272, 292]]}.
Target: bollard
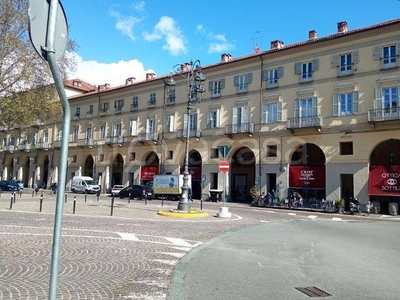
{"points": [[129, 200], [65, 197], [98, 196], [33, 193], [20, 193], [14, 196], [112, 205], [12, 201], [145, 200], [162, 202], [74, 207], [85, 196], [41, 202], [201, 204]]}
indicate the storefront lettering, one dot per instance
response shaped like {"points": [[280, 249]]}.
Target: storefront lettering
{"points": [[390, 175]]}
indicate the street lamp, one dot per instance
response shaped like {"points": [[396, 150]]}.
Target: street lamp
{"points": [[195, 90]]}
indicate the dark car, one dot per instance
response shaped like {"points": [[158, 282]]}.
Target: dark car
{"points": [[9, 185], [136, 191]]}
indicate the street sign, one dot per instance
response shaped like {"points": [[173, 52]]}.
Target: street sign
{"points": [[224, 166], [224, 150], [257, 180]]}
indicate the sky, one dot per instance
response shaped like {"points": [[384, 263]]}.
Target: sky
{"points": [[118, 39]]}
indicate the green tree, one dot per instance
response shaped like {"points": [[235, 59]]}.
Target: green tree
{"points": [[27, 92]]}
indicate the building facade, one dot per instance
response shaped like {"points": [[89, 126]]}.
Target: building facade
{"points": [[318, 117]]}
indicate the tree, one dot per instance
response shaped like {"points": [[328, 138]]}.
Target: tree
{"points": [[27, 92]]}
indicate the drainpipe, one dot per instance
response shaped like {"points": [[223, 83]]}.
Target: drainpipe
{"points": [[259, 131]]}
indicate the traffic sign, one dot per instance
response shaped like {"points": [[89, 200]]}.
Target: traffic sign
{"points": [[224, 150], [224, 166]]}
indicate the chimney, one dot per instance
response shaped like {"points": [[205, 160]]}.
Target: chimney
{"points": [[342, 27], [276, 44], [102, 87], [226, 57], [129, 80], [76, 83], [150, 76], [312, 35]]}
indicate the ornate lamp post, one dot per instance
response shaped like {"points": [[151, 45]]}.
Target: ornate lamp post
{"points": [[195, 90]]}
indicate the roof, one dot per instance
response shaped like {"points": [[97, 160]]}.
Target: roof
{"points": [[79, 85]]}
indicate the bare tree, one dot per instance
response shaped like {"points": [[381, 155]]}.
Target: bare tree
{"points": [[27, 92]]}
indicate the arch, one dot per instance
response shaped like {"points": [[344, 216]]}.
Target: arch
{"points": [[26, 168], [386, 153], [151, 167], [308, 155], [243, 167], [117, 170], [89, 166], [195, 170], [43, 170]]}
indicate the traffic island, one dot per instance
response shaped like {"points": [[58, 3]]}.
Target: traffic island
{"points": [[183, 214]]}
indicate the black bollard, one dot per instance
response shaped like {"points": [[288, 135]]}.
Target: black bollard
{"points": [[41, 202], [85, 196], [74, 207], [12, 201], [65, 197], [145, 200], [20, 193], [112, 205], [33, 193], [14, 196], [98, 195], [162, 202], [201, 204]]}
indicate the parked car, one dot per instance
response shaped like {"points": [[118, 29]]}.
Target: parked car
{"points": [[9, 185], [20, 184], [136, 191], [116, 189]]}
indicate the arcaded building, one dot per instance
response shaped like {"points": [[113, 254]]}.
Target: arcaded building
{"points": [[318, 117]]}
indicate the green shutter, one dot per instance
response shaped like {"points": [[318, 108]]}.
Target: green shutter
{"points": [[297, 108], [356, 56], [234, 115], [279, 111], [210, 86], [222, 83], [218, 118], [377, 53], [355, 102], [297, 68], [185, 121], [249, 78], [264, 113], [378, 98], [236, 80], [265, 75], [209, 119], [314, 106], [334, 61], [280, 72], [335, 105], [315, 65]]}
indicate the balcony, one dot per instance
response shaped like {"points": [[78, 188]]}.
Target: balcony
{"points": [[89, 115], [57, 144], [9, 148], [151, 104], [239, 128], [24, 147], [193, 133], [3, 129], [134, 106], [383, 114], [304, 122], [170, 101], [115, 140], [42, 145], [88, 142], [103, 112], [118, 110], [77, 117], [148, 136]]}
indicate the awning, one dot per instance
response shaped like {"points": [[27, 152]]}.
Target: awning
{"points": [[384, 180], [307, 177]]}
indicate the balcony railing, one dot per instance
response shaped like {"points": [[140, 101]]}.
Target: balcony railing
{"points": [[239, 128], [42, 145], [24, 147], [103, 112], [134, 106], [85, 142], [193, 132], [114, 140], [57, 144], [148, 136], [151, 103], [304, 122], [383, 114], [9, 148]]}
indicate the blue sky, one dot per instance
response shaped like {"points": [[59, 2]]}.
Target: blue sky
{"points": [[122, 38]]}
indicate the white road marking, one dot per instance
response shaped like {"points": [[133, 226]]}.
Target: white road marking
{"points": [[336, 219], [291, 214], [128, 236], [312, 217], [167, 262], [178, 242], [175, 254]]}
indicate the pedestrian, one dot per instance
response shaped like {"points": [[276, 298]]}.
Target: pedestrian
{"points": [[369, 206], [190, 194]]}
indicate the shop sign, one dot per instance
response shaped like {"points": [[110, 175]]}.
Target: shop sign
{"points": [[307, 177], [384, 180], [147, 173]]}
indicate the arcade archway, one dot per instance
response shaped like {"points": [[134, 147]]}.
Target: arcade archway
{"points": [[242, 174], [89, 165], [150, 168], [117, 170]]}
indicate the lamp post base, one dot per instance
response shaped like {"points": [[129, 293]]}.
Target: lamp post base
{"points": [[183, 206], [223, 213]]}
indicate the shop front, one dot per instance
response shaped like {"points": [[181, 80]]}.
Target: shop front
{"points": [[147, 175]]}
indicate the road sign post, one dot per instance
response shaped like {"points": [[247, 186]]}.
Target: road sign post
{"points": [[224, 168]]}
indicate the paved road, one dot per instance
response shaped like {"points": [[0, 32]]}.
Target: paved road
{"points": [[130, 255]]}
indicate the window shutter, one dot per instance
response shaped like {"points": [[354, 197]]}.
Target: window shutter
{"points": [[185, 121], [235, 115], [210, 86], [134, 127], [209, 119], [296, 108], [265, 75], [279, 111], [378, 98], [355, 102], [334, 61], [398, 49], [249, 78], [355, 55], [222, 83], [171, 123], [377, 53], [264, 113], [315, 65], [244, 116], [280, 72], [314, 106], [236, 81], [297, 68], [217, 117], [335, 105]]}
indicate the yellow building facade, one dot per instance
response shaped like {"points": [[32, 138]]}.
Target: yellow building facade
{"points": [[318, 118]]}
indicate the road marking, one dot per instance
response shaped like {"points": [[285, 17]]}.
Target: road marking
{"points": [[336, 219], [312, 217], [291, 214], [128, 236], [174, 254], [178, 242], [167, 262]]}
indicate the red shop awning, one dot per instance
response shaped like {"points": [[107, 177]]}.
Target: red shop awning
{"points": [[384, 180], [147, 173], [307, 177]]}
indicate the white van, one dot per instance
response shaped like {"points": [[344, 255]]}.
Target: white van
{"points": [[84, 184]]}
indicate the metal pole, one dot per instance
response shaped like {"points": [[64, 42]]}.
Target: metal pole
{"points": [[112, 205], [50, 57], [74, 206], [12, 201], [41, 202]]}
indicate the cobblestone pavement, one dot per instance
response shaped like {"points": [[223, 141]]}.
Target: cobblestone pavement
{"points": [[129, 255]]}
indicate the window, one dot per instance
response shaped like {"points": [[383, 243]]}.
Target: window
{"points": [[118, 105], [133, 124], [89, 133], [388, 55], [35, 138], [271, 151], [272, 112], [152, 101], [89, 114], [240, 115], [132, 156], [306, 69], [193, 93], [215, 87], [45, 137], [242, 81], [344, 63], [117, 130], [170, 123], [192, 121], [305, 107], [214, 153], [74, 158], [171, 96], [170, 154], [213, 118], [103, 109], [102, 131], [271, 77], [75, 135], [135, 103], [101, 157], [151, 126], [346, 148], [77, 112], [345, 103], [387, 98]]}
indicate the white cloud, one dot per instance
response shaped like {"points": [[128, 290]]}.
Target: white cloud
{"points": [[139, 6], [219, 41], [125, 24], [167, 28], [113, 73]]}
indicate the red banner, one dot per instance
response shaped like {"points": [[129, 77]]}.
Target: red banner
{"points": [[384, 180], [147, 173], [194, 171], [307, 177]]}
